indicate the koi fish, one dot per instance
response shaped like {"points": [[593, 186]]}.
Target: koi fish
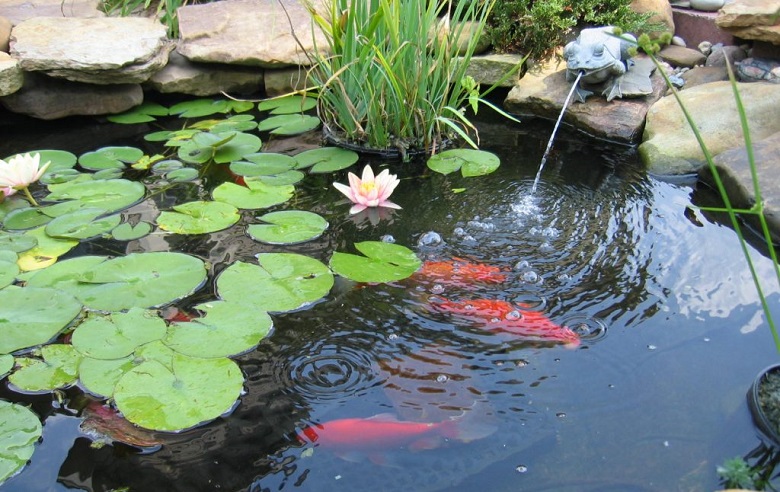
{"points": [[459, 272], [350, 438], [498, 315]]}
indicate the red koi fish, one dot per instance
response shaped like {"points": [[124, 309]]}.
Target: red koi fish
{"points": [[459, 272], [498, 315]]}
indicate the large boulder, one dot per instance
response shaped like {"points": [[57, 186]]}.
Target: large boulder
{"points": [[542, 92], [669, 146], [248, 32], [48, 98], [109, 50], [758, 20]]}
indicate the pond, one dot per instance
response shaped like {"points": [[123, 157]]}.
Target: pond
{"points": [[650, 397]]}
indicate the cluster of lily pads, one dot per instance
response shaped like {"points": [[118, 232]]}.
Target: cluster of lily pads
{"points": [[95, 320]]}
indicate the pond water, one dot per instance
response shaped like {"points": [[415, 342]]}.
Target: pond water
{"points": [[652, 398]]}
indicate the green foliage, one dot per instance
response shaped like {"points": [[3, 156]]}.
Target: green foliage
{"points": [[537, 28], [164, 10], [737, 474]]}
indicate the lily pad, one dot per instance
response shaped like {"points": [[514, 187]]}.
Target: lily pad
{"points": [[46, 252], [288, 227], [8, 267], [129, 232], [82, 224], [282, 179], [289, 124], [25, 218], [228, 328], [110, 158], [111, 195], [197, 108], [183, 174], [263, 164], [58, 368], [20, 429], [142, 113], [383, 262], [239, 122], [6, 364], [166, 166], [288, 104], [326, 159], [16, 242], [99, 376], [254, 195], [221, 147], [470, 162], [281, 282], [143, 280], [181, 394], [117, 335], [199, 217], [32, 316]]}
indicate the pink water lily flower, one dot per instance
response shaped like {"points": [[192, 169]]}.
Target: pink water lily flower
{"points": [[19, 172], [369, 191]]}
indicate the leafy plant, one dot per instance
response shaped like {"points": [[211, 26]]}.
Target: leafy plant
{"points": [[538, 28], [736, 473], [394, 79]]}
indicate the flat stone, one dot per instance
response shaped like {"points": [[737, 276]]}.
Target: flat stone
{"points": [[747, 13], [704, 75], [110, 50], [542, 92], [669, 146], [18, 11], [707, 5], [5, 34], [11, 75], [719, 55], [489, 69], [182, 76], [248, 32], [49, 98], [770, 34], [734, 171], [281, 81], [677, 56]]}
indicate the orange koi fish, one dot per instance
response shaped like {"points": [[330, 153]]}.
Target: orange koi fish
{"points": [[459, 272], [498, 315]]}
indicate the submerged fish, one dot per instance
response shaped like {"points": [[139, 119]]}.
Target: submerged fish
{"points": [[459, 272], [373, 436], [498, 315]]}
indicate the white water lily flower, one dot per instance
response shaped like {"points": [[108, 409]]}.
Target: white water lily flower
{"points": [[19, 172], [370, 190]]}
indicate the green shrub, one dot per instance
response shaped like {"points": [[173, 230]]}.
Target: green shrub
{"points": [[538, 27]]}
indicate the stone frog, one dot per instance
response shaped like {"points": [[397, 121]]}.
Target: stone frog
{"points": [[601, 57]]}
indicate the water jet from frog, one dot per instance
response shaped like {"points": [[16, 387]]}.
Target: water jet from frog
{"points": [[555, 130]]}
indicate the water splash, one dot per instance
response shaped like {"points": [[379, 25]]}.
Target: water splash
{"points": [[555, 130]]}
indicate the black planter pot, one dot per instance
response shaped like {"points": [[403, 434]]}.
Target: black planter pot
{"points": [[390, 153], [769, 431]]}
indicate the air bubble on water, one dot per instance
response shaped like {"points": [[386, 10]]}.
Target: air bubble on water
{"points": [[522, 265], [459, 231], [437, 289], [469, 239], [562, 277], [430, 238], [531, 277], [441, 378], [560, 415], [388, 238], [495, 320], [551, 232], [521, 363], [392, 336], [521, 468], [651, 347], [514, 315], [484, 226]]}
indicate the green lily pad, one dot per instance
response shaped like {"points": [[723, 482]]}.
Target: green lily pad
{"points": [[383, 262], [239, 123], [129, 232], [263, 164], [143, 280], [197, 108], [181, 394], [20, 429], [142, 113], [326, 159], [470, 162], [183, 174], [46, 252], [10, 204], [32, 316], [228, 328], [288, 104], [82, 224], [25, 218], [289, 124], [117, 335], [61, 163], [6, 364], [253, 196], [8, 267], [281, 282], [58, 368], [110, 158], [199, 217], [111, 195], [16, 242], [221, 147], [62, 176], [99, 376], [281, 179], [288, 227], [166, 166], [108, 174]]}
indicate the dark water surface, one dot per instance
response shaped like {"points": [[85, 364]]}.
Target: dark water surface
{"points": [[653, 399]]}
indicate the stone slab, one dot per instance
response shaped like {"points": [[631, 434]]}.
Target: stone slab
{"points": [[20, 10], [746, 13], [11, 75], [182, 76], [695, 26]]}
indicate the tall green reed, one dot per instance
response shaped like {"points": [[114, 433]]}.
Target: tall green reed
{"points": [[394, 76]]}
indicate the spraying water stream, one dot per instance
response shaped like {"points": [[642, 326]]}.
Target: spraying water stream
{"points": [[555, 130]]}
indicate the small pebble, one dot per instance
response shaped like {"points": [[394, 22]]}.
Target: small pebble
{"points": [[678, 41], [705, 47]]}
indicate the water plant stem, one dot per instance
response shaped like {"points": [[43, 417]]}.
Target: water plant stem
{"points": [[29, 196]]}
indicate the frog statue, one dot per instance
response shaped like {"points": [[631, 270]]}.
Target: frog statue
{"points": [[601, 57]]}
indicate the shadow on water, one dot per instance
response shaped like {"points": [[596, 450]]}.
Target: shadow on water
{"points": [[651, 400]]}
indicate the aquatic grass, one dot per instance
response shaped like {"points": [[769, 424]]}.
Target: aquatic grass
{"points": [[757, 210], [393, 76]]}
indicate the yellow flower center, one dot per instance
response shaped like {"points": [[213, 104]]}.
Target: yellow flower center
{"points": [[367, 187]]}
